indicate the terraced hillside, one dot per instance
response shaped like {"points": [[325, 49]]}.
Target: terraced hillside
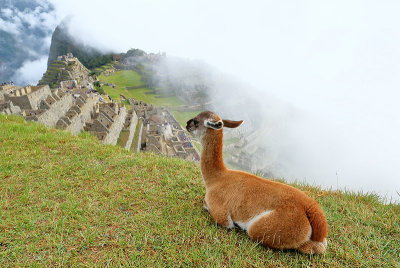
{"points": [[72, 201], [64, 69]]}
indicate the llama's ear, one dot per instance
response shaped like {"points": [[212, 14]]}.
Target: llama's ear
{"points": [[232, 124], [213, 124]]}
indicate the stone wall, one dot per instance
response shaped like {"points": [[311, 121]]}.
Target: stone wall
{"points": [[50, 117], [7, 89], [29, 97], [132, 127], [9, 108], [115, 129], [77, 116]]}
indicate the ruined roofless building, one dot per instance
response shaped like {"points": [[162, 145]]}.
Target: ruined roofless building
{"points": [[108, 122], [29, 97]]}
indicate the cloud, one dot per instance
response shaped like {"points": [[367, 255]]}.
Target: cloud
{"points": [[30, 24], [30, 71]]}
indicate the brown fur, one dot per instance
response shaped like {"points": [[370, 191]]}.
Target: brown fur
{"points": [[237, 196]]}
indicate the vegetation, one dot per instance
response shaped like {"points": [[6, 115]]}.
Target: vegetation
{"points": [[124, 79], [133, 52], [95, 72], [72, 201], [98, 87], [123, 138]]}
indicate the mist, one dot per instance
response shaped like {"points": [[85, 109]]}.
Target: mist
{"points": [[318, 80]]}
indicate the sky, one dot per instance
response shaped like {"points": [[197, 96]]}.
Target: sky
{"points": [[337, 62]]}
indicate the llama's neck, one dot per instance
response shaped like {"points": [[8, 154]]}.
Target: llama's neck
{"points": [[211, 155]]}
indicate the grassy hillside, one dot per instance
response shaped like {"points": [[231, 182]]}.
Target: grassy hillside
{"points": [[123, 79], [68, 200]]}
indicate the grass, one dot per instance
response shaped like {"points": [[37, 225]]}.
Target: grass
{"points": [[135, 140], [128, 78], [72, 201], [123, 138]]}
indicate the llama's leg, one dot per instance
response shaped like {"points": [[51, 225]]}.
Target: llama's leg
{"points": [[311, 247], [221, 217], [286, 228]]}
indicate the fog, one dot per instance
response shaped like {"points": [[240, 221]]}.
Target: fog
{"points": [[323, 76]]}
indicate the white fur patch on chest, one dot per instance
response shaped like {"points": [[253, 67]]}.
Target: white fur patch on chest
{"points": [[246, 225]]}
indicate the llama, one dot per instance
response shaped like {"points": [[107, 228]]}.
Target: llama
{"points": [[274, 214]]}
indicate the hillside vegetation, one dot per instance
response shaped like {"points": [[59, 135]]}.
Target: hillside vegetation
{"points": [[69, 201]]}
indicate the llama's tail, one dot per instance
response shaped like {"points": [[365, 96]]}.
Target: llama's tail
{"points": [[318, 223], [317, 243]]}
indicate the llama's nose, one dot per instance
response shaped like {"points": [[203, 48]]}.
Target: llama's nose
{"points": [[188, 124]]}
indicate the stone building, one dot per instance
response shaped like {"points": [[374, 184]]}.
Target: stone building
{"points": [[7, 89], [81, 112], [28, 97], [51, 109], [7, 107], [108, 122]]}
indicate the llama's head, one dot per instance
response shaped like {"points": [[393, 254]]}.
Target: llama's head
{"points": [[209, 120]]}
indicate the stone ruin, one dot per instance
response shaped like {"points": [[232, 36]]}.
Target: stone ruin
{"points": [[108, 122], [81, 109], [79, 113], [65, 109], [161, 133], [72, 106], [66, 68]]}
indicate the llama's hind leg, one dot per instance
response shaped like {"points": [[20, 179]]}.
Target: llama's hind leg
{"points": [[281, 229], [311, 247]]}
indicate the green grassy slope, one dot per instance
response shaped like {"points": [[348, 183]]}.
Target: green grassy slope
{"points": [[68, 200], [123, 79]]}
